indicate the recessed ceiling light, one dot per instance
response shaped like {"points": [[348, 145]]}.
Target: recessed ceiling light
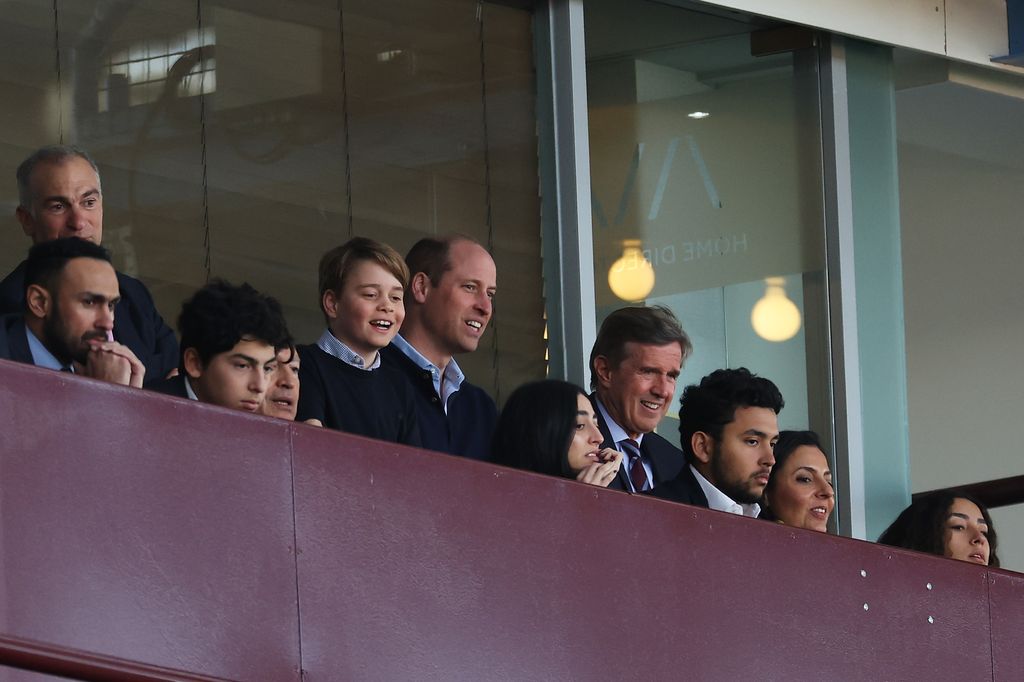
{"points": [[698, 114]]}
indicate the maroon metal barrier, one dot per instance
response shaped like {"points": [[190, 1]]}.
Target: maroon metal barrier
{"points": [[436, 569], [34, 657], [146, 528], [160, 531]]}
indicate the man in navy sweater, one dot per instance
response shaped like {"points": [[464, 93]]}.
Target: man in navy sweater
{"points": [[59, 195], [448, 304]]}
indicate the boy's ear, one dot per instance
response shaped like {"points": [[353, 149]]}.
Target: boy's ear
{"points": [[329, 304], [193, 365]]}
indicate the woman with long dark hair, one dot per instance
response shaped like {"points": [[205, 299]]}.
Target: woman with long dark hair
{"points": [[550, 427], [948, 523]]}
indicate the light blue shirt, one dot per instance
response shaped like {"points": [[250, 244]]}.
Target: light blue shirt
{"points": [[618, 435], [453, 376], [189, 392], [330, 344], [42, 357]]}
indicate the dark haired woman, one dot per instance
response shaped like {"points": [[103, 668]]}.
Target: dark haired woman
{"points": [[799, 492], [550, 427], [949, 523]]}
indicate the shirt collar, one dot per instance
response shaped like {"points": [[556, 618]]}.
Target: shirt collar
{"points": [[41, 357], [453, 375], [617, 433], [332, 345], [188, 390], [722, 502]]}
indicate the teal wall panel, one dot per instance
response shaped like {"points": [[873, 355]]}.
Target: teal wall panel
{"points": [[879, 282]]}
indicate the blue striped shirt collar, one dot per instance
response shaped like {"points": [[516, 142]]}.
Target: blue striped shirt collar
{"points": [[453, 375], [330, 344]]}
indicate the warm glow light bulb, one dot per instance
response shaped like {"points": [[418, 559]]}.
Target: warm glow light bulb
{"points": [[631, 277], [775, 317]]}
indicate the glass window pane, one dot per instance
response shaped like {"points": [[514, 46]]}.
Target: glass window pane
{"points": [[961, 167], [705, 168], [243, 161]]}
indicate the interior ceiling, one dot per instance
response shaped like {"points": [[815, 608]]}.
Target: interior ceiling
{"points": [[962, 120], [672, 34], [956, 118]]}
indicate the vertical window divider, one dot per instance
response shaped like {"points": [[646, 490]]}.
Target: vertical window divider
{"points": [[566, 213]]}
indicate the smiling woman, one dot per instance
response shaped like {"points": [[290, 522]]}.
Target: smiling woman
{"points": [[799, 492], [948, 523]]}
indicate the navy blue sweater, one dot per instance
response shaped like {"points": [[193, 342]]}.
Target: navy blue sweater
{"points": [[376, 403], [468, 427]]}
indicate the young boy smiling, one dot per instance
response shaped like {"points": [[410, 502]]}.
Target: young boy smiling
{"points": [[344, 385]]}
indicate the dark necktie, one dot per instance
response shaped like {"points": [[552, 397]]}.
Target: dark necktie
{"points": [[637, 473]]}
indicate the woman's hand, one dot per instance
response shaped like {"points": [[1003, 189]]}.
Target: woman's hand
{"points": [[603, 471]]}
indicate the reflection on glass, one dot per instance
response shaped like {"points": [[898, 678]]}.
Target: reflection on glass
{"points": [[138, 74], [246, 141], [961, 169], [775, 317], [631, 277], [709, 157]]}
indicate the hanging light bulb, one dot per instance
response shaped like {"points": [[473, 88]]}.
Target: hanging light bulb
{"points": [[631, 277], [775, 317]]}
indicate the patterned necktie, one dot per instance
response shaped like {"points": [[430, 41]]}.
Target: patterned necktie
{"points": [[637, 473]]}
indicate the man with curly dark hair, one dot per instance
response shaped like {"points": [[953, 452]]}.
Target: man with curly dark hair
{"points": [[230, 337], [728, 425]]}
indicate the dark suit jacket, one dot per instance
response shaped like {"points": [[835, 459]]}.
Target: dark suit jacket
{"points": [[137, 324], [14, 339], [666, 459], [174, 386], [683, 488]]}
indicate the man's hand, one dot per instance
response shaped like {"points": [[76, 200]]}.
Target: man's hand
{"points": [[115, 363]]}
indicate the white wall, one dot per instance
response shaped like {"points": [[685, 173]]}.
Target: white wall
{"points": [[961, 175], [967, 30]]}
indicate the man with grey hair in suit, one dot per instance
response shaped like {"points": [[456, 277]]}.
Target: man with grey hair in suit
{"points": [[634, 366], [59, 195]]}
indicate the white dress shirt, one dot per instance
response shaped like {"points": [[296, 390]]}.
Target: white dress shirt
{"points": [[722, 502]]}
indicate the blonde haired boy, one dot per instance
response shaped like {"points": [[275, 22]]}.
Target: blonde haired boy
{"points": [[344, 385]]}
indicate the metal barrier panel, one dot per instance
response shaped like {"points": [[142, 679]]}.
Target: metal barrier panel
{"points": [[420, 566], [1006, 597], [160, 531], [146, 528], [15, 675]]}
